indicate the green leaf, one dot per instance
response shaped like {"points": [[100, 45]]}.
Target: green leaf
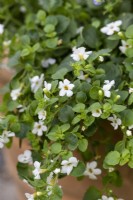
{"points": [[79, 108], [50, 5], [118, 108], [64, 127], [81, 97], [129, 32], [76, 119], [125, 156], [79, 170], [63, 23], [129, 52], [52, 43], [82, 145], [95, 106], [51, 19], [130, 100], [91, 37], [92, 194], [120, 146], [94, 92], [41, 16], [25, 52], [71, 140], [113, 178], [60, 74], [112, 158], [49, 28], [66, 114], [127, 117], [56, 148]]}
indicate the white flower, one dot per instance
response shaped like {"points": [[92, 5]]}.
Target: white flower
{"points": [[80, 53], [91, 170], [57, 171], [124, 46], [98, 2], [111, 28], [37, 170], [39, 128], [47, 86], [36, 82], [29, 196], [4, 138], [79, 30], [107, 86], [1, 28], [47, 62], [68, 165], [66, 88], [83, 76], [26, 157], [130, 90], [130, 127], [49, 190], [42, 114], [23, 9], [21, 108], [106, 198], [15, 94], [129, 133], [49, 178], [115, 121], [96, 113]]}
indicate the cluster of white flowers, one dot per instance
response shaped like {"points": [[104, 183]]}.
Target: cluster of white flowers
{"points": [[116, 122], [26, 157], [39, 128], [36, 82], [80, 53], [1, 28], [66, 88], [107, 86], [68, 165], [91, 170], [112, 27], [15, 94], [4, 138], [46, 63]]}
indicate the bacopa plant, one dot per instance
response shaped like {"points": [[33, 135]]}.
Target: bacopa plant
{"points": [[72, 92]]}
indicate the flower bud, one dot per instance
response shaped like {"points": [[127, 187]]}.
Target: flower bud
{"points": [[101, 58], [121, 35]]}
